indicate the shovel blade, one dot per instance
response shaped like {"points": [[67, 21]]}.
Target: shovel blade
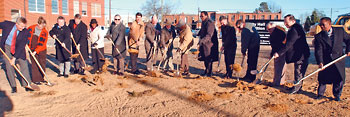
{"points": [[254, 72]]}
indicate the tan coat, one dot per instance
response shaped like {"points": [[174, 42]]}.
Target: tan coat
{"points": [[137, 31], [186, 37]]}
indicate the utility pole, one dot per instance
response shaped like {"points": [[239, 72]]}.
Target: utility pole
{"points": [[110, 12], [331, 12], [161, 12]]}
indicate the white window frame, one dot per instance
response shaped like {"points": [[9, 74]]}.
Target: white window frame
{"points": [[36, 7], [93, 5], [74, 7], [86, 10], [67, 8], [58, 7]]}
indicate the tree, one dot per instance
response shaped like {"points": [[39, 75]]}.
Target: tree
{"points": [[307, 24], [269, 6], [154, 7], [316, 16], [263, 7]]}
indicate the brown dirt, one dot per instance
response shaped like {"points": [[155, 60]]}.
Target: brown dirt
{"points": [[201, 96], [43, 93], [281, 108], [224, 95], [143, 93]]}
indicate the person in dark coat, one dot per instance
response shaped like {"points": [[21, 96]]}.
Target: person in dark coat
{"points": [[208, 44], [166, 43], [277, 41], [117, 34], [250, 40], [61, 32], [229, 44], [79, 31], [14, 39], [328, 47], [150, 42], [296, 51]]}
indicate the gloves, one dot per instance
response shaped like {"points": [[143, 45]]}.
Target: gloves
{"points": [[94, 44]]}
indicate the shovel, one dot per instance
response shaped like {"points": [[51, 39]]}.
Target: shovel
{"points": [[255, 72], [177, 73], [151, 72], [220, 54], [72, 55], [29, 85], [76, 46], [103, 57], [164, 55], [41, 69], [258, 81], [320, 69]]}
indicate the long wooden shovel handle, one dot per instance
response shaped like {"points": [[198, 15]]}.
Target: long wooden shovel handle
{"points": [[266, 64], [320, 69], [63, 47], [97, 49], [37, 63], [20, 73], [76, 46]]}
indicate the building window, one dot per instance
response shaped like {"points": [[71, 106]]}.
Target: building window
{"points": [[270, 17], [76, 7], [15, 14], [262, 17], [36, 6], [254, 17], [65, 7], [233, 18], [241, 17], [95, 10], [276, 17], [247, 17], [54, 6], [84, 8]]}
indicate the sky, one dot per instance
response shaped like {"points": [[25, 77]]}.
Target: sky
{"points": [[298, 8]]}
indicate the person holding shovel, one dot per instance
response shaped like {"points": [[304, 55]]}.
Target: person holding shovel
{"points": [[229, 44], [150, 42], [186, 42], [137, 30], [328, 47], [97, 46], [116, 33], [80, 43], [37, 44], [166, 40], [61, 32], [250, 41], [14, 39]]}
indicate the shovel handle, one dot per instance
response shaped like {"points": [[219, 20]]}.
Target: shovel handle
{"points": [[76, 46], [266, 64], [37, 63], [62, 46], [320, 69]]}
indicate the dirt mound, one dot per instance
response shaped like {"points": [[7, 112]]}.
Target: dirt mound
{"points": [[98, 78], [282, 108], [224, 95], [42, 93], [122, 85], [142, 81], [143, 93], [302, 101], [105, 65], [97, 90], [201, 96]]}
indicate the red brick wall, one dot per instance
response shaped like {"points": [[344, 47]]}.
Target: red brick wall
{"points": [[7, 5]]}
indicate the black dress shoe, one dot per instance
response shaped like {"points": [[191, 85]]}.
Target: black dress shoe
{"points": [[295, 90], [14, 90], [82, 72], [120, 73], [27, 89], [115, 73], [59, 75], [337, 99], [136, 72], [37, 83], [66, 76]]}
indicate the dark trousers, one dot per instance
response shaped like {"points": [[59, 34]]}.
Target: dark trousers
{"points": [[229, 60], [252, 61], [133, 62], [299, 71], [78, 64], [96, 58], [337, 88], [37, 75], [208, 63]]}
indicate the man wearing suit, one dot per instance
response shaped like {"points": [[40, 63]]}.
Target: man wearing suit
{"points": [[208, 44], [186, 42], [250, 40], [150, 42], [296, 51], [277, 41], [229, 44], [79, 31], [117, 33], [328, 47], [14, 39]]}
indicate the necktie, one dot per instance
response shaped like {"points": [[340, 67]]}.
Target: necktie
{"points": [[13, 45]]}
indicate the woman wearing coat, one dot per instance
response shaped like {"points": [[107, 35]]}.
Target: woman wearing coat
{"points": [[97, 45], [61, 32], [37, 44]]}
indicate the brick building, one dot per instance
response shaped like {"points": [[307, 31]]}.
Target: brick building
{"points": [[51, 9], [192, 19]]}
